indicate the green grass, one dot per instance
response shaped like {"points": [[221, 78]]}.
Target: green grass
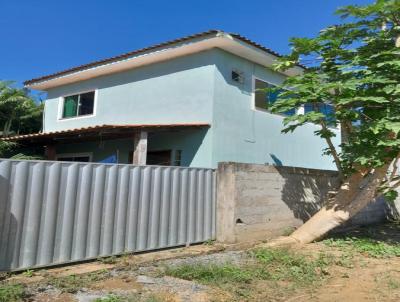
{"points": [[264, 264], [214, 273], [286, 265], [110, 298], [12, 293], [130, 298], [367, 246], [73, 283]]}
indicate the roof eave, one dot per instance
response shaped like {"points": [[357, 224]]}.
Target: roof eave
{"points": [[213, 39]]}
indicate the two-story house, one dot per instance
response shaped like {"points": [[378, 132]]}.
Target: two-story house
{"points": [[192, 102]]}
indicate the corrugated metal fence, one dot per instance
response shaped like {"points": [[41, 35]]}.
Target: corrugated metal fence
{"points": [[57, 212]]}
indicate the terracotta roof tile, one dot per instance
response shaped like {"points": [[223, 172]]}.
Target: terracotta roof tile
{"points": [[100, 128], [150, 48]]}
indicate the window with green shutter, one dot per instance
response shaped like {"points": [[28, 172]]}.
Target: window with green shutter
{"points": [[78, 105]]}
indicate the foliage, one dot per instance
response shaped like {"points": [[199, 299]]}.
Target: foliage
{"points": [[28, 273], [19, 113], [367, 246], [109, 298], [355, 68], [269, 264], [11, 292], [73, 283], [285, 265]]}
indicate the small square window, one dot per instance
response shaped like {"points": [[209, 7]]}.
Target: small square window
{"points": [[237, 76], [78, 105]]}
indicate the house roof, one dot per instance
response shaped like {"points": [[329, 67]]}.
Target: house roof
{"points": [[97, 132], [49, 81]]}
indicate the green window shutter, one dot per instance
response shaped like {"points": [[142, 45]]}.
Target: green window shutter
{"points": [[70, 106]]}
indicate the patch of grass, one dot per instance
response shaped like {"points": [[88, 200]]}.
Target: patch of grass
{"points": [[367, 246], [288, 231], [209, 242], [108, 260], [73, 283], [12, 293], [110, 298], [263, 264], [285, 265], [135, 298], [214, 273]]}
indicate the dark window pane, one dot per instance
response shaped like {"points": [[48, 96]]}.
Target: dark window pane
{"points": [[178, 158], [70, 106], [85, 159], [86, 103], [65, 159], [160, 158], [260, 95], [265, 99]]}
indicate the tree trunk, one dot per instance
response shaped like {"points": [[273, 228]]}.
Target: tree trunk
{"points": [[354, 195]]}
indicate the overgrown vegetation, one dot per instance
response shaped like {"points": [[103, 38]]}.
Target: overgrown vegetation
{"points": [[352, 81], [72, 283], [133, 298], [12, 292], [367, 246], [19, 114], [263, 264]]}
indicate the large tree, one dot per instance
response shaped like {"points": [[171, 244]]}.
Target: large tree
{"points": [[354, 68], [19, 114]]}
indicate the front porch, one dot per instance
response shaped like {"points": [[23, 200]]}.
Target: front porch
{"points": [[170, 145]]}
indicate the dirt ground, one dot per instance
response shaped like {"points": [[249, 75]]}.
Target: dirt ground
{"points": [[359, 265]]}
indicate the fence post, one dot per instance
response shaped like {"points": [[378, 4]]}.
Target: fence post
{"points": [[226, 203]]}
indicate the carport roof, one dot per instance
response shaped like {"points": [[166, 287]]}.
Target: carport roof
{"points": [[98, 132]]}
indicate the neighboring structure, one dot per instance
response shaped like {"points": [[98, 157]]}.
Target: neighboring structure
{"points": [[190, 102]]}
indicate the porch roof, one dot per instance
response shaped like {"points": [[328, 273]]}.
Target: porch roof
{"points": [[98, 132]]}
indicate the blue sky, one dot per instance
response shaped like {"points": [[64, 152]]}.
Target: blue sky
{"points": [[45, 36]]}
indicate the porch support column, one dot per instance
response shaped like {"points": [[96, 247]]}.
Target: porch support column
{"points": [[50, 152], [140, 149]]}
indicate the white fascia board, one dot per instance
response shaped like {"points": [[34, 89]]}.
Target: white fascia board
{"points": [[223, 41]]}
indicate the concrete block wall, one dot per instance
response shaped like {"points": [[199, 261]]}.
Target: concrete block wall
{"points": [[256, 202]]}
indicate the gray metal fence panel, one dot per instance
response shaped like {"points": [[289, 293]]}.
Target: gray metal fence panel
{"points": [[58, 212]]}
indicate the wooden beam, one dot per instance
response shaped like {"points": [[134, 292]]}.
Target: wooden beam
{"points": [[50, 152], [140, 149]]}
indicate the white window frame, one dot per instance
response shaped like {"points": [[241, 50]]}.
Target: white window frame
{"points": [[253, 97], [61, 106], [82, 154]]}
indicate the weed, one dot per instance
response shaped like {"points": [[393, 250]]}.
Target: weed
{"points": [[288, 231], [28, 273], [72, 283], [212, 273], [345, 260], [12, 293], [367, 246], [108, 260], [209, 242], [284, 265], [264, 264], [109, 298]]}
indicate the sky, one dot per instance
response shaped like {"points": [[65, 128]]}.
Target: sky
{"points": [[45, 36]]}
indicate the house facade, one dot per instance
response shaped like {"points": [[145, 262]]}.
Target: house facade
{"points": [[189, 102]]}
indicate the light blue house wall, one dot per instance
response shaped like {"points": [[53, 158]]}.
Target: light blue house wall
{"points": [[175, 91], [195, 88], [243, 134]]}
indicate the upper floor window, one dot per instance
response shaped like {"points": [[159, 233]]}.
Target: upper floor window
{"points": [[78, 105], [265, 99]]}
